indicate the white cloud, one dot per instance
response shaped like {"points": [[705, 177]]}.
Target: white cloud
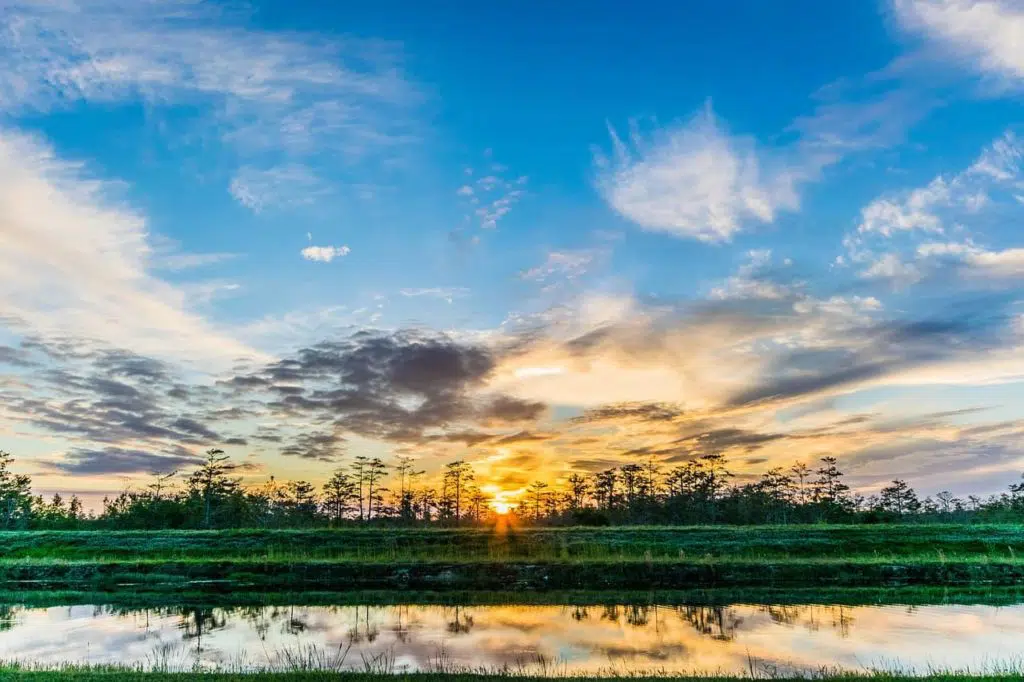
{"points": [[324, 254], [973, 260], [448, 294], [185, 261], [278, 187], [989, 34], [753, 280], [889, 266], [913, 211], [888, 242], [296, 95], [168, 255], [1001, 161], [491, 198], [76, 262], [567, 264], [204, 293], [694, 180], [929, 208]]}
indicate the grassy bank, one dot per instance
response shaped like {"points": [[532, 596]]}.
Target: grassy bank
{"points": [[524, 544], [530, 560], [661, 574]]}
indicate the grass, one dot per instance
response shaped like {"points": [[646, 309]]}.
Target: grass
{"points": [[453, 560], [325, 575], [526, 544]]}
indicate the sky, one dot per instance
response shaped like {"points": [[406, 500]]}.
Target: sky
{"points": [[542, 238]]}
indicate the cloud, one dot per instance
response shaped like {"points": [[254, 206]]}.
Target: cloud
{"points": [[323, 446], [394, 386], [290, 92], [878, 352], [567, 264], [448, 294], [185, 261], [324, 254], [928, 208], [757, 278], [505, 410], [100, 395], [78, 262], [695, 180], [114, 460], [983, 34], [286, 186], [933, 232], [491, 197], [646, 376], [914, 211]]}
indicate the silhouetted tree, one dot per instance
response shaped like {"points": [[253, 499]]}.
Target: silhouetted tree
{"points": [[339, 494], [457, 477], [15, 495], [213, 484], [898, 498]]}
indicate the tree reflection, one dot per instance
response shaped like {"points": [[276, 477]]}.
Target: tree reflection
{"points": [[196, 622], [461, 623], [717, 622], [8, 616]]}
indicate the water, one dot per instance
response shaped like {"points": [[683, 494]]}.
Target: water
{"points": [[538, 639]]}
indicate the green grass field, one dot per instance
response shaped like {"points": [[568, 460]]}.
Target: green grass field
{"points": [[437, 560], [548, 544]]}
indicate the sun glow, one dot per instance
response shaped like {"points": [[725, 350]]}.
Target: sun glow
{"points": [[500, 502], [530, 372], [502, 507]]}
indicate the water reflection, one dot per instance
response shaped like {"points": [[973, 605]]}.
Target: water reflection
{"points": [[553, 639]]}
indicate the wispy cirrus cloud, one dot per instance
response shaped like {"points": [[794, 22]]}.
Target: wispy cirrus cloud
{"points": [[448, 294], [566, 263], [297, 98], [77, 262], [489, 193], [279, 187]]}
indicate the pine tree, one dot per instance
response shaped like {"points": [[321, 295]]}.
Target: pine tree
{"points": [[458, 476], [15, 495], [898, 498], [339, 493], [213, 483]]}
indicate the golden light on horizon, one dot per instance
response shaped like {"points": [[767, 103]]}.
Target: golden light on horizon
{"points": [[501, 501]]}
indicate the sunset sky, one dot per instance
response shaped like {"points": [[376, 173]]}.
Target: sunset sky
{"points": [[542, 237]]}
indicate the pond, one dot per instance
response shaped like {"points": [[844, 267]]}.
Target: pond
{"points": [[537, 639]]}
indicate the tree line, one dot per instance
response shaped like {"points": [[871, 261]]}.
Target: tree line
{"points": [[369, 491]]}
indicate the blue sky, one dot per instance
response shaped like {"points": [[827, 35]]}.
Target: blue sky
{"points": [[540, 237]]}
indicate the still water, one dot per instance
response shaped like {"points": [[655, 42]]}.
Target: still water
{"points": [[539, 639]]}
